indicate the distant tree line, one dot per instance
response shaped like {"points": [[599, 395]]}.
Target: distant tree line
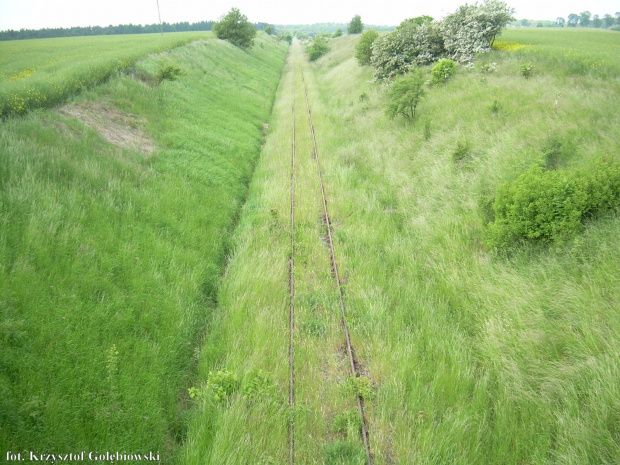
{"points": [[583, 19], [113, 30], [312, 30]]}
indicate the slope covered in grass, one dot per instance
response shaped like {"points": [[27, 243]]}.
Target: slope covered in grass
{"points": [[478, 358], [115, 212]]}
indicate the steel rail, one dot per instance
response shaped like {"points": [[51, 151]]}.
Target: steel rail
{"points": [[328, 223]]}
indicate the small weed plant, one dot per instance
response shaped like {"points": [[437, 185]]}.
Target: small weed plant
{"points": [[526, 70], [362, 386], [259, 385], [461, 152], [222, 384], [489, 68], [496, 106]]}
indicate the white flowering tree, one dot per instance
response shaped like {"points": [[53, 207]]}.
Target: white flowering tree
{"points": [[459, 36], [473, 28]]}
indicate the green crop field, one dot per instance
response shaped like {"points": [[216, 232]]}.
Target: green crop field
{"points": [[146, 242], [575, 51], [43, 72]]}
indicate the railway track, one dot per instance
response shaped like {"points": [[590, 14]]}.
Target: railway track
{"points": [[291, 352], [353, 365]]}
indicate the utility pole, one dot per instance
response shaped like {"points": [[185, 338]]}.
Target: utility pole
{"points": [[161, 28]]}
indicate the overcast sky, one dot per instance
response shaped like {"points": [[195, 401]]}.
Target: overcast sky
{"points": [[37, 14]]}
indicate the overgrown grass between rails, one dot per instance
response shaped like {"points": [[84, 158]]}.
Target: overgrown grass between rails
{"points": [[252, 322], [111, 256], [41, 73], [500, 359]]}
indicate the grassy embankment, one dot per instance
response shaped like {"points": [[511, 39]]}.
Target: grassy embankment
{"points": [[111, 252], [476, 357], [42, 73]]}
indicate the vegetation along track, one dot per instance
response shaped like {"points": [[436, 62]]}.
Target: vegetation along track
{"points": [[291, 354], [353, 365]]}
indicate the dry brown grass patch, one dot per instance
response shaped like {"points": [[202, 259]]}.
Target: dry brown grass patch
{"points": [[120, 129]]}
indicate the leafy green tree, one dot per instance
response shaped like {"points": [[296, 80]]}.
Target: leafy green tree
{"points": [[418, 20], [317, 49], [338, 33], [597, 21], [287, 36], [405, 94], [363, 49], [473, 28], [573, 20], [608, 20], [355, 25], [584, 18], [493, 16], [408, 46], [560, 21], [269, 30], [236, 29]]}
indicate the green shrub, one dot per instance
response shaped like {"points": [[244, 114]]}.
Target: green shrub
{"points": [[363, 48], [222, 384], [287, 37], [443, 71], [405, 94], [168, 73], [259, 385], [526, 70], [317, 49], [362, 386], [338, 33], [547, 206]]}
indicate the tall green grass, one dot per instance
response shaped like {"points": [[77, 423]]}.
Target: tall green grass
{"points": [[251, 328], [41, 73], [110, 257], [478, 358]]}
